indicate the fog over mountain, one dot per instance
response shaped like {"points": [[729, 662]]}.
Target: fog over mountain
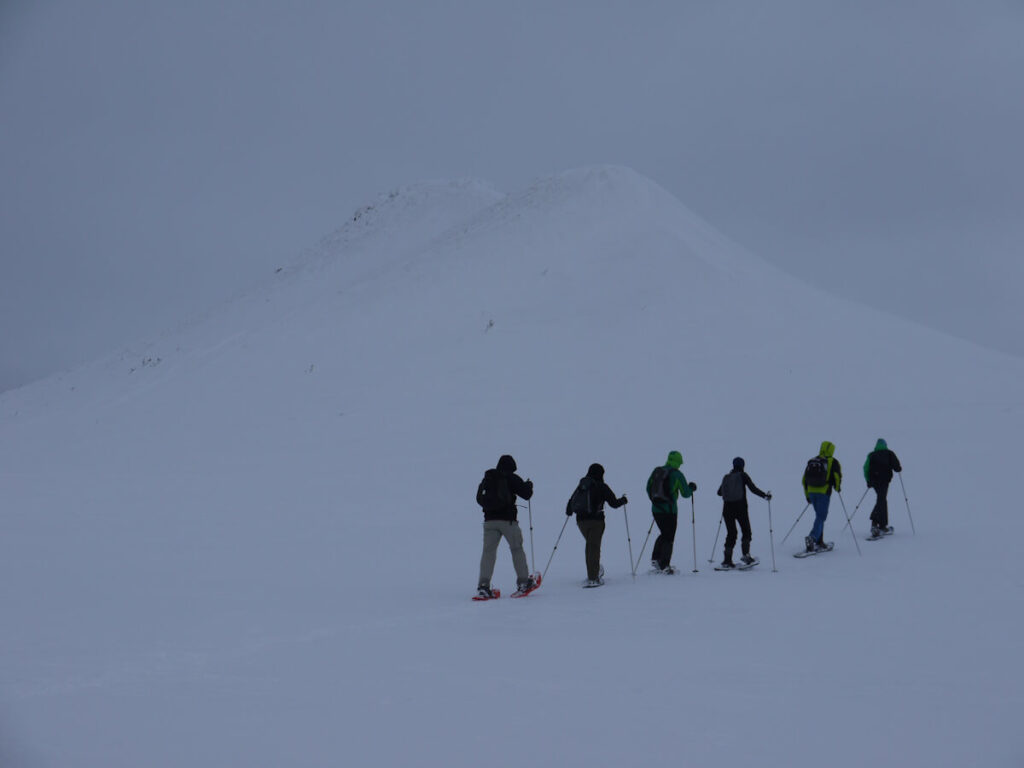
{"points": [[158, 159]]}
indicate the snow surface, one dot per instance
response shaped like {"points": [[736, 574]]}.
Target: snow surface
{"points": [[253, 542]]}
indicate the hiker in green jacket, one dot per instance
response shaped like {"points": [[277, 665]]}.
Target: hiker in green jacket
{"points": [[664, 486]]}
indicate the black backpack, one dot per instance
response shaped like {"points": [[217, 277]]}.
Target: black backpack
{"points": [[658, 489], [816, 473], [494, 493], [581, 501], [733, 486]]}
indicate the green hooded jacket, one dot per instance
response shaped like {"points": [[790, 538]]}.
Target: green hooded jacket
{"points": [[677, 484], [835, 472]]}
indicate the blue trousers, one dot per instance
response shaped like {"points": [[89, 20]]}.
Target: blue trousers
{"points": [[820, 503]]}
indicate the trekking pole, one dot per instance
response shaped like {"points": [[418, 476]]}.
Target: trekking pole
{"points": [[794, 524], [855, 542], [900, 476], [555, 549], [533, 564], [641, 555], [714, 546], [693, 524], [858, 505], [771, 537], [625, 514]]}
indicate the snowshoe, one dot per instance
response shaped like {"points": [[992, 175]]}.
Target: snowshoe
{"points": [[486, 593], [528, 586]]}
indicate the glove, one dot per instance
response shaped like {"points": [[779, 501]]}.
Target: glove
{"points": [[568, 513], [693, 487], [768, 496], [624, 500]]}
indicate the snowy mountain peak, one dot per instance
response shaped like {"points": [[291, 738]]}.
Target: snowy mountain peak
{"points": [[255, 542]]}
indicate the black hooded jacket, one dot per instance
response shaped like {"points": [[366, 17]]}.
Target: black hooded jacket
{"points": [[599, 495], [506, 471]]}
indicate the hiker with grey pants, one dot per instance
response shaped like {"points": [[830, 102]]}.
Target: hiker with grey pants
{"points": [[497, 495]]}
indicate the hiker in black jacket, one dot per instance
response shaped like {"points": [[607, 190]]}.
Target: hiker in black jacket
{"points": [[733, 491], [497, 495], [587, 503], [878, 469]]}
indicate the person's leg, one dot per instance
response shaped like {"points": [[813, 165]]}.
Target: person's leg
{"points": [[667, 526], [820, 503], [882, 504], [657, 554], [593, 531], [514, 535], [743, 517], [492, 535], [729, 516], [876, 509]]}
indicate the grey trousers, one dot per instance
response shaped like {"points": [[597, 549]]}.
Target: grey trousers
{"points": [[493, 531]]}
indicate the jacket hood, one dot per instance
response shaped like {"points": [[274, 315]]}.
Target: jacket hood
{"points": [[880, 445], [596, 471], [507, 464], [675, 459], [738, 463], [827, 449]]}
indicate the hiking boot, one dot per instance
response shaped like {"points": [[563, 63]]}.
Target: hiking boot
{"points": [[875, 531], [809, 543], [820, 546], [600, 573], [526, 587], [670, 569], [593, 582], [727, 564], [746, 559], [484, 591], [655, 566]]}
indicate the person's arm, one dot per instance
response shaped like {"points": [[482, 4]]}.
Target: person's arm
{"points": [[610, 498], [750, 484], [837, 474], [521, 488], [895, 463], [681, 486]]}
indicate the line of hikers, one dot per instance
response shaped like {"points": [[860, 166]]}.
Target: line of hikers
{"points": [[501, 487]]}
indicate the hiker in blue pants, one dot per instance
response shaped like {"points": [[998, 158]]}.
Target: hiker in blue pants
{"points": [[823, 473]]}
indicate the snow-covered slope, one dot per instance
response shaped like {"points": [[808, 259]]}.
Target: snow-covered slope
{"points": [[253, 541]]}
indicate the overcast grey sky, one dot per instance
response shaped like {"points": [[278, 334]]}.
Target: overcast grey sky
{"points": [[158, 157]]}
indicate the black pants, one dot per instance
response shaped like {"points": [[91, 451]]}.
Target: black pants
{"points": [[592, 531], [880, 514], [736, 512], [662, 552]]}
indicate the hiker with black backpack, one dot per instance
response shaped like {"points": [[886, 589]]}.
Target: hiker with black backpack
{"points": [[665, 484], [822, 474], [878, 469], [497, 494], [587, 503], [733, 491]]}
